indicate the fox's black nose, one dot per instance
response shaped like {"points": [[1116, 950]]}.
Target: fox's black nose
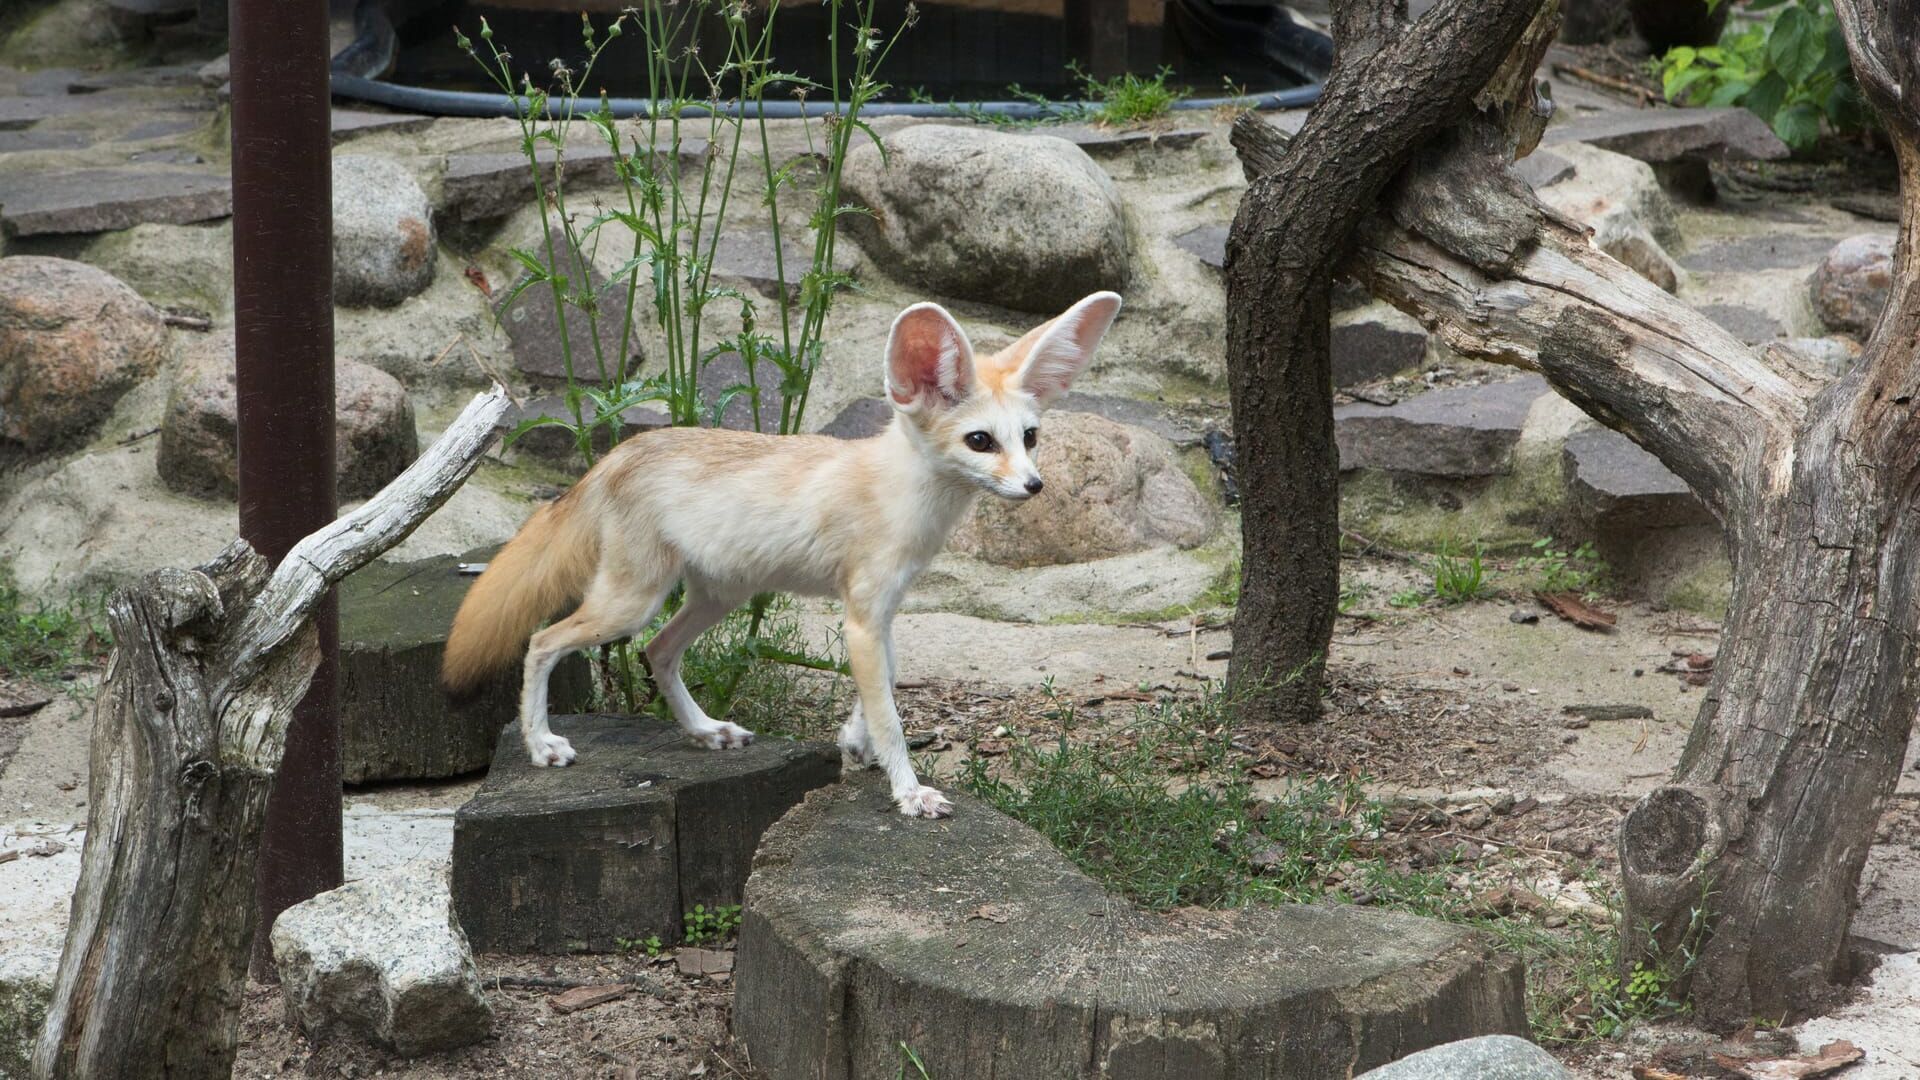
{"points": [[1034, 485]]}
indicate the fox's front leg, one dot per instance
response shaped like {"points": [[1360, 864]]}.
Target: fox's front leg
{"points": [[869, 654]]}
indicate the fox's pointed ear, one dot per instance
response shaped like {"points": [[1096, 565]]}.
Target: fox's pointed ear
{"points": [[1061, 348], [929, 359]]}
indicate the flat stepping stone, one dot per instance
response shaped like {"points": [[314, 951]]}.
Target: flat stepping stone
{"points": [[1750, 325], [349, 124], [1617, 485], [484, 186], [1457, 433], [107, 200], [976, 943], [617, 846], [1102, 142], [395, 721], [1669, 136], [1208, 243]]}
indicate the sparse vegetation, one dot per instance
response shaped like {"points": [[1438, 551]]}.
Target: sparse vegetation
{"points": [[1559, 570], [1789, 67], [1164, 810], [709, 926], [41, 641], [1460, 579], [1128, 98]]}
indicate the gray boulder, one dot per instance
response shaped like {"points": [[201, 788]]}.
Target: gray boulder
{"points": [[383, 241], [1489, 1057], [1023, 221], [382, 959], [374, 435], [72, 340], [1850, 285], [1111, 489]]}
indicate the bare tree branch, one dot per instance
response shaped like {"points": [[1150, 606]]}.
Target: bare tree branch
{"points": [[318, 562]]}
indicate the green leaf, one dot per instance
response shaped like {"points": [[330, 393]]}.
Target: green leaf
{"points": [[1798, 125], [1796, 46], [1727, 93], [529, 424], [1767, 96]]}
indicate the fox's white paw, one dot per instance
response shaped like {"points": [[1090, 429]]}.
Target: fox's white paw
{"points": [[856, 746], [723, 736], [550, 750], [925, 802]]}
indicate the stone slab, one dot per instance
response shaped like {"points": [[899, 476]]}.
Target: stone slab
{"points": [[1208, 243], [1615, 484], [1665, 136], [1104, 142], [1543, 168], [107, 200], [1460, 432], [395, 722], [349, 124], [533, 331], [1750, 325], [642, 826], [981, 946]]}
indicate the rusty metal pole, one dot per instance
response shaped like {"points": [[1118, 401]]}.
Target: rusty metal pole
{"points": [[283, 314]]}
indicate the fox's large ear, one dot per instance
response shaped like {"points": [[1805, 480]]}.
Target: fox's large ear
{"points": [[928, 358], [1059, 349]]}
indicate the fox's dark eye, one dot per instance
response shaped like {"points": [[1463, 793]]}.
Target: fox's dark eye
{"points": [[979, 442], [1031, 437]]}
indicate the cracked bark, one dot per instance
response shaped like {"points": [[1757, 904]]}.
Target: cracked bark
{"points": [[189, 729], [1771, 810], [1394, 86]]}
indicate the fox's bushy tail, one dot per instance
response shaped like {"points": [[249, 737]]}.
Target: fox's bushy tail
{"points": [[541, 570]]}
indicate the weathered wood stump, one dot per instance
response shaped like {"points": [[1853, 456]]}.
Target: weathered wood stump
{"points": [[977, 944], [395, 722], [644, 825]]}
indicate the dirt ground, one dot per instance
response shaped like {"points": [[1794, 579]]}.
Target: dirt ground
{"points": [[1500, 738]]}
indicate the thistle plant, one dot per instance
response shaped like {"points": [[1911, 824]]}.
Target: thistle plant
{"points": [[673, 223]]}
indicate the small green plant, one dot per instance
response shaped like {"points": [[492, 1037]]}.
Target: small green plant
{"points": [[910, 1059], [649, 945], [1790, 68], [1578, 571], [705, 926], [1408, 598], [39, 641], [1352, 594], [1459, 579], [1128, 98]]}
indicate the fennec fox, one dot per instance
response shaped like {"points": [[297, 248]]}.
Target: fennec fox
{"points": [[730, 514]]}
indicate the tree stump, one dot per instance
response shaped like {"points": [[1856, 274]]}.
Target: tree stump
{"points": [[395, 721], [644, 825], [975, 943]]}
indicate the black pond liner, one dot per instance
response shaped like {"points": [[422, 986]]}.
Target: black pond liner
{"points": [[1248, 40]]}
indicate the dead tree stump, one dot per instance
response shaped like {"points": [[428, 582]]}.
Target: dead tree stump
{"points": [[644, 825], [395, 721], [189, 729], [978, 945]]}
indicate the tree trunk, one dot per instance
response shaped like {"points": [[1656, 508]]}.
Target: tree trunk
{"points": [[1392, 88], [188, 732], [1753, 853]]}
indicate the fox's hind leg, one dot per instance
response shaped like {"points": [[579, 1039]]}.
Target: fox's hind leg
{"points": [[619, 603], [702, 607]]}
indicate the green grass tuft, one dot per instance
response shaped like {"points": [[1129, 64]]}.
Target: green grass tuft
{"points": [[41, 642]]}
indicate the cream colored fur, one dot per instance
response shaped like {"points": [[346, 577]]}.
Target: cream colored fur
{"points": [[731, 514]]}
